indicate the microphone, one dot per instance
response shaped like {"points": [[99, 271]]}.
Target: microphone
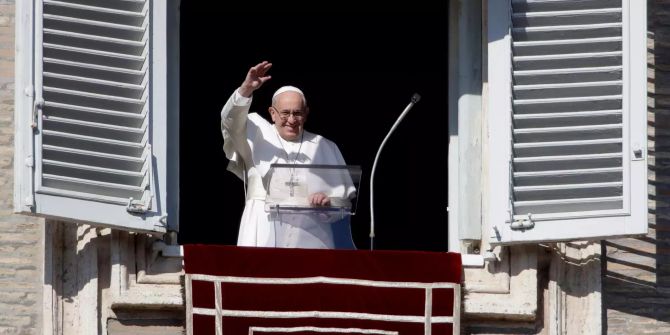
{"points": [[415, 98]]}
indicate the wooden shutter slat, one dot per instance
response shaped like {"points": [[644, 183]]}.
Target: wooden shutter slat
{"points": [[565, 10], [97, 86], [567, 143], [567, 46], [108, 98], [557, 177], [578, 56], [85, 196], [80, 142], [100, 111], [566, 157], [134, 159], [566, 90], [91, 187], [98, 53], [91, 57], [104, 30], [568, 100], [82, 99], [576, 205], [120, 70], [566, 32], [571, 75], [100, 46], [94, 38], [568, 191], [112, 74], [96, 140], [98, 131], [116, 26], [561, 134], [571, 119], [574, 17], [565, 172], [549, 129], [565, 148], [81, 114], [568, 188], [137, 6], [93, 159], [101, 126], [561, 61], [563, 5], [570, 162], [580, 85], [556, 71], [93, 173], [582, 28], [100, 9], [91, 168], [615, 112]]}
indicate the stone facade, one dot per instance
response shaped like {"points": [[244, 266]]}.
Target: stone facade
{"points": [[111, 282], [636, 277], [104, 281], [21, 247]]}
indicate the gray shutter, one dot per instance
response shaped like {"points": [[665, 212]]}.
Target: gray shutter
{"points": [[567, 106], [571, 163], [93, 140]]}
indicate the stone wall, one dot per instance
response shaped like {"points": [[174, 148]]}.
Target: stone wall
{"points": [[636, 282], [21, 251]]}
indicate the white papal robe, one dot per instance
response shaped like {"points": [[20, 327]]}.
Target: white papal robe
{"points": [[252, 144]]}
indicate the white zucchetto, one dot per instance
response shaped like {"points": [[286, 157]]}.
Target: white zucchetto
{"points": [[287, 89]]}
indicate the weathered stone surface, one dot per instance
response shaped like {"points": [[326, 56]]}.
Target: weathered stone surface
{"points": [[636, 278], [145, 327], [20, 237]]}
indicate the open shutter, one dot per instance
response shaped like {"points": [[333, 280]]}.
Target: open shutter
{"points": [[571, 162], [94, 117]]}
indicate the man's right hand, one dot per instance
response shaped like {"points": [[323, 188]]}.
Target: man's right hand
{"points": [[256, 77]]}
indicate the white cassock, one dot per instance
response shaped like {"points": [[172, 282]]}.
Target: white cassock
{"points": [[252, 144]]}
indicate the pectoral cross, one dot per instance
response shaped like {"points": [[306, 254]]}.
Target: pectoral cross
{"points": [[292, 184]]}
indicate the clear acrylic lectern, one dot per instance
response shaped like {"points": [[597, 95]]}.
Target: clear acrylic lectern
{"points": [[289, 187], [289, 190]]}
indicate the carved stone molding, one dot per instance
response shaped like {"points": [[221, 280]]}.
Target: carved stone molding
{"points": [[94, 275], [141, 277]]}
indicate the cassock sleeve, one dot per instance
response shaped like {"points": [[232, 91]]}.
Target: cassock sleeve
{"points": [[234, 130], [350, 189]]}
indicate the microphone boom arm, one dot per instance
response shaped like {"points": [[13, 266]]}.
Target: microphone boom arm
{"points": [[415, 98]]}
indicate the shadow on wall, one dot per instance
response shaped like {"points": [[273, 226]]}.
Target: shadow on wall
{"points": [[637, 270]]}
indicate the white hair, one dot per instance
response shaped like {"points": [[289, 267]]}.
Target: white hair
{"points": [[289, 88]]}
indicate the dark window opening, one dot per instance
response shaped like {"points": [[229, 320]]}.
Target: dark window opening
{"points": [[358, 67]]}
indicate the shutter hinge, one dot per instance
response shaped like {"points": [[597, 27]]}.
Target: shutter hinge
{"points": [[522, 224], [143, 205], [167, 250], [138, 206], [29, 161], [37, 105], [29, 201], [638, 154]]}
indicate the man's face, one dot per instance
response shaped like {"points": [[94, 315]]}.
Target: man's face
{"points": [[289, 115]]}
